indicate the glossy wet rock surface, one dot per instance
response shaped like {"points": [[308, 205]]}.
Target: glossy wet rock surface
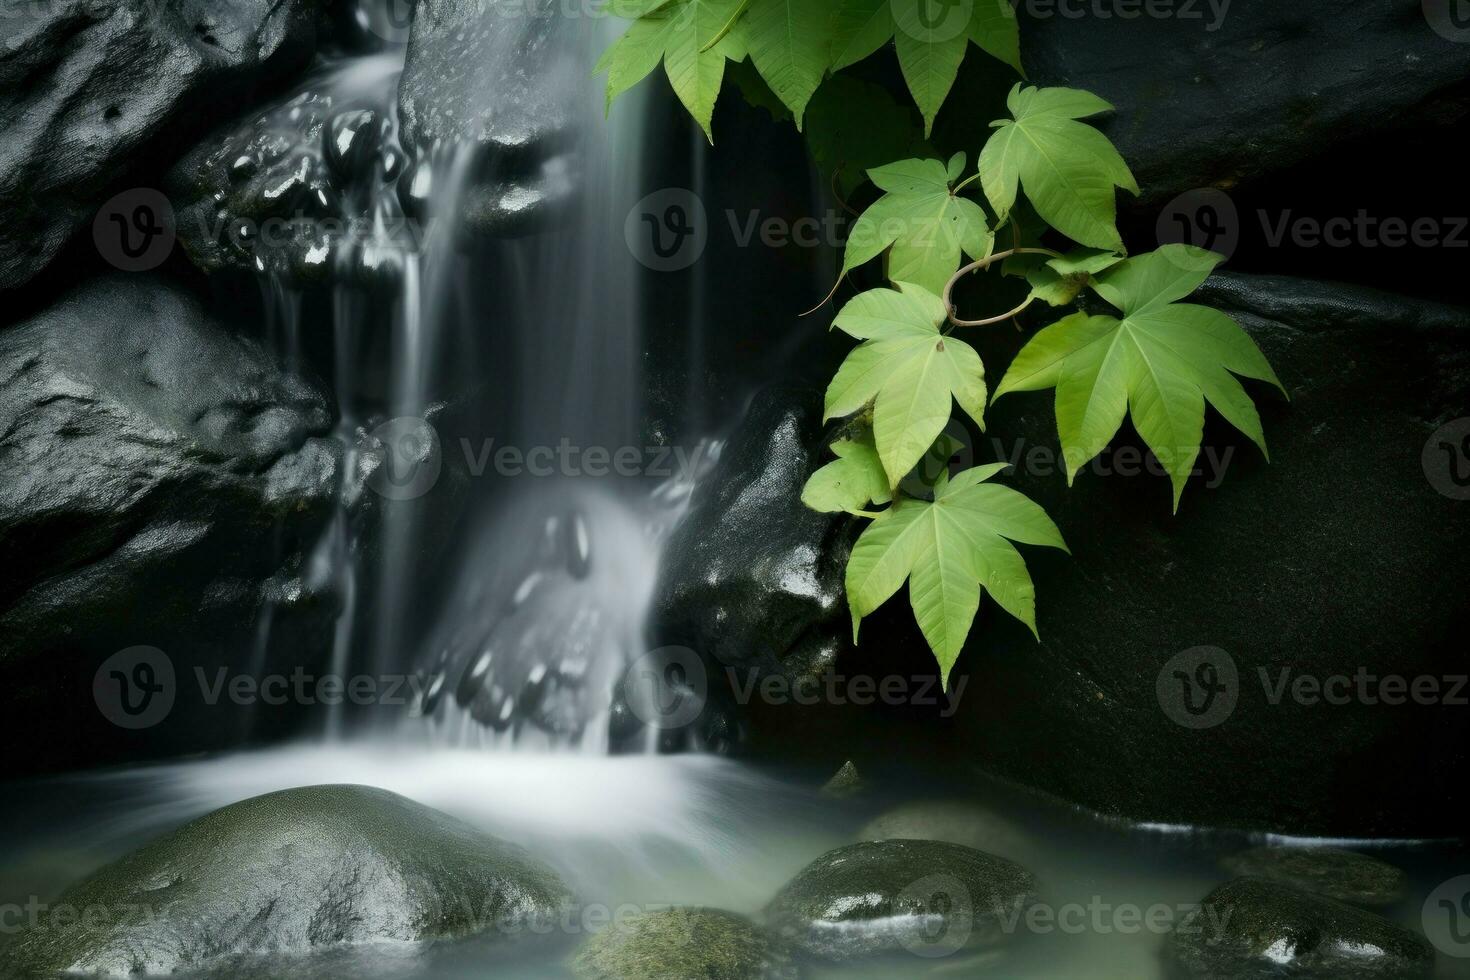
{"points": [[289, 873], [891, 896], [1252, 928]]}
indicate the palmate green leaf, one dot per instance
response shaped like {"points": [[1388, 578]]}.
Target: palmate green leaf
{"points": [[922, 224], [950, 550], [853, 125], [790, 44], [1160, 363], [1067, 169], [851, 481], [908, 370], [930, 43], [1059, 281], [676, 33]]}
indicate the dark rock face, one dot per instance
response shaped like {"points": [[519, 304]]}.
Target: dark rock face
{"points": [[1252, 928], [1341, 556], [895, 895], [752, 577], [1342, 875], [93, 94], [164, 480], [1214, 100], [290, 873], [296, 189], [684, 942], [489, 78]]}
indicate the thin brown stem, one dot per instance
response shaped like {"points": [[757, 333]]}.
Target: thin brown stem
{"points": [[985, 263]]}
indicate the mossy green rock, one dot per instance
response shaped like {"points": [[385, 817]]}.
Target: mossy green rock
{"points": [[1253, 928], [290, 872], [682, 944], [923, 896], [1343, 875]]}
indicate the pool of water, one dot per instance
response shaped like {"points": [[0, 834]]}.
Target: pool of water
{"points": [[639, 832]]}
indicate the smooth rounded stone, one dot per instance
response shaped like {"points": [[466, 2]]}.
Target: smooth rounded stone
{"points": [[895, 895], [1343, 875], [293, 872], [684, 943], [954, 821], [1254, 928]]}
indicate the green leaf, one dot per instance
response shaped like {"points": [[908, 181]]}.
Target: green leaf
{"points": [[1160, 363], [950, 550], [908, 370], [852, 125], [994, 28], [920, 222], [1059, 281], [676, 34], [634, 9], [1067, 169], [789, 42], [859, 28], [851, 481], [930, 62]]}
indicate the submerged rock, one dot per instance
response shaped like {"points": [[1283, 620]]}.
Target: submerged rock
{"points": [[955, 821], [94, 94], [1343, 875], [1252, 928], [888, 896], [289, 873], [164, 481], [682, 944]]}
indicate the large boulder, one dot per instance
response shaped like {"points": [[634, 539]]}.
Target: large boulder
{"points": [[1342, 556], [1218, 94], [289, 873], [96, 94], [165, 481], [680, 943]]}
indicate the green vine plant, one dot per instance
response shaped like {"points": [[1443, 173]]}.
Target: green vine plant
{"points": [[1043, 170]]}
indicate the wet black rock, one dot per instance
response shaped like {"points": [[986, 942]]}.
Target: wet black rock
{"points": [[1235, 92], [1252, 928], [683, 943], [1343, 875], [96, 97], [303, 189], [752, 577], [496, 82], [165, 479], [890, 896], [1342, 557], [291, 873]]}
